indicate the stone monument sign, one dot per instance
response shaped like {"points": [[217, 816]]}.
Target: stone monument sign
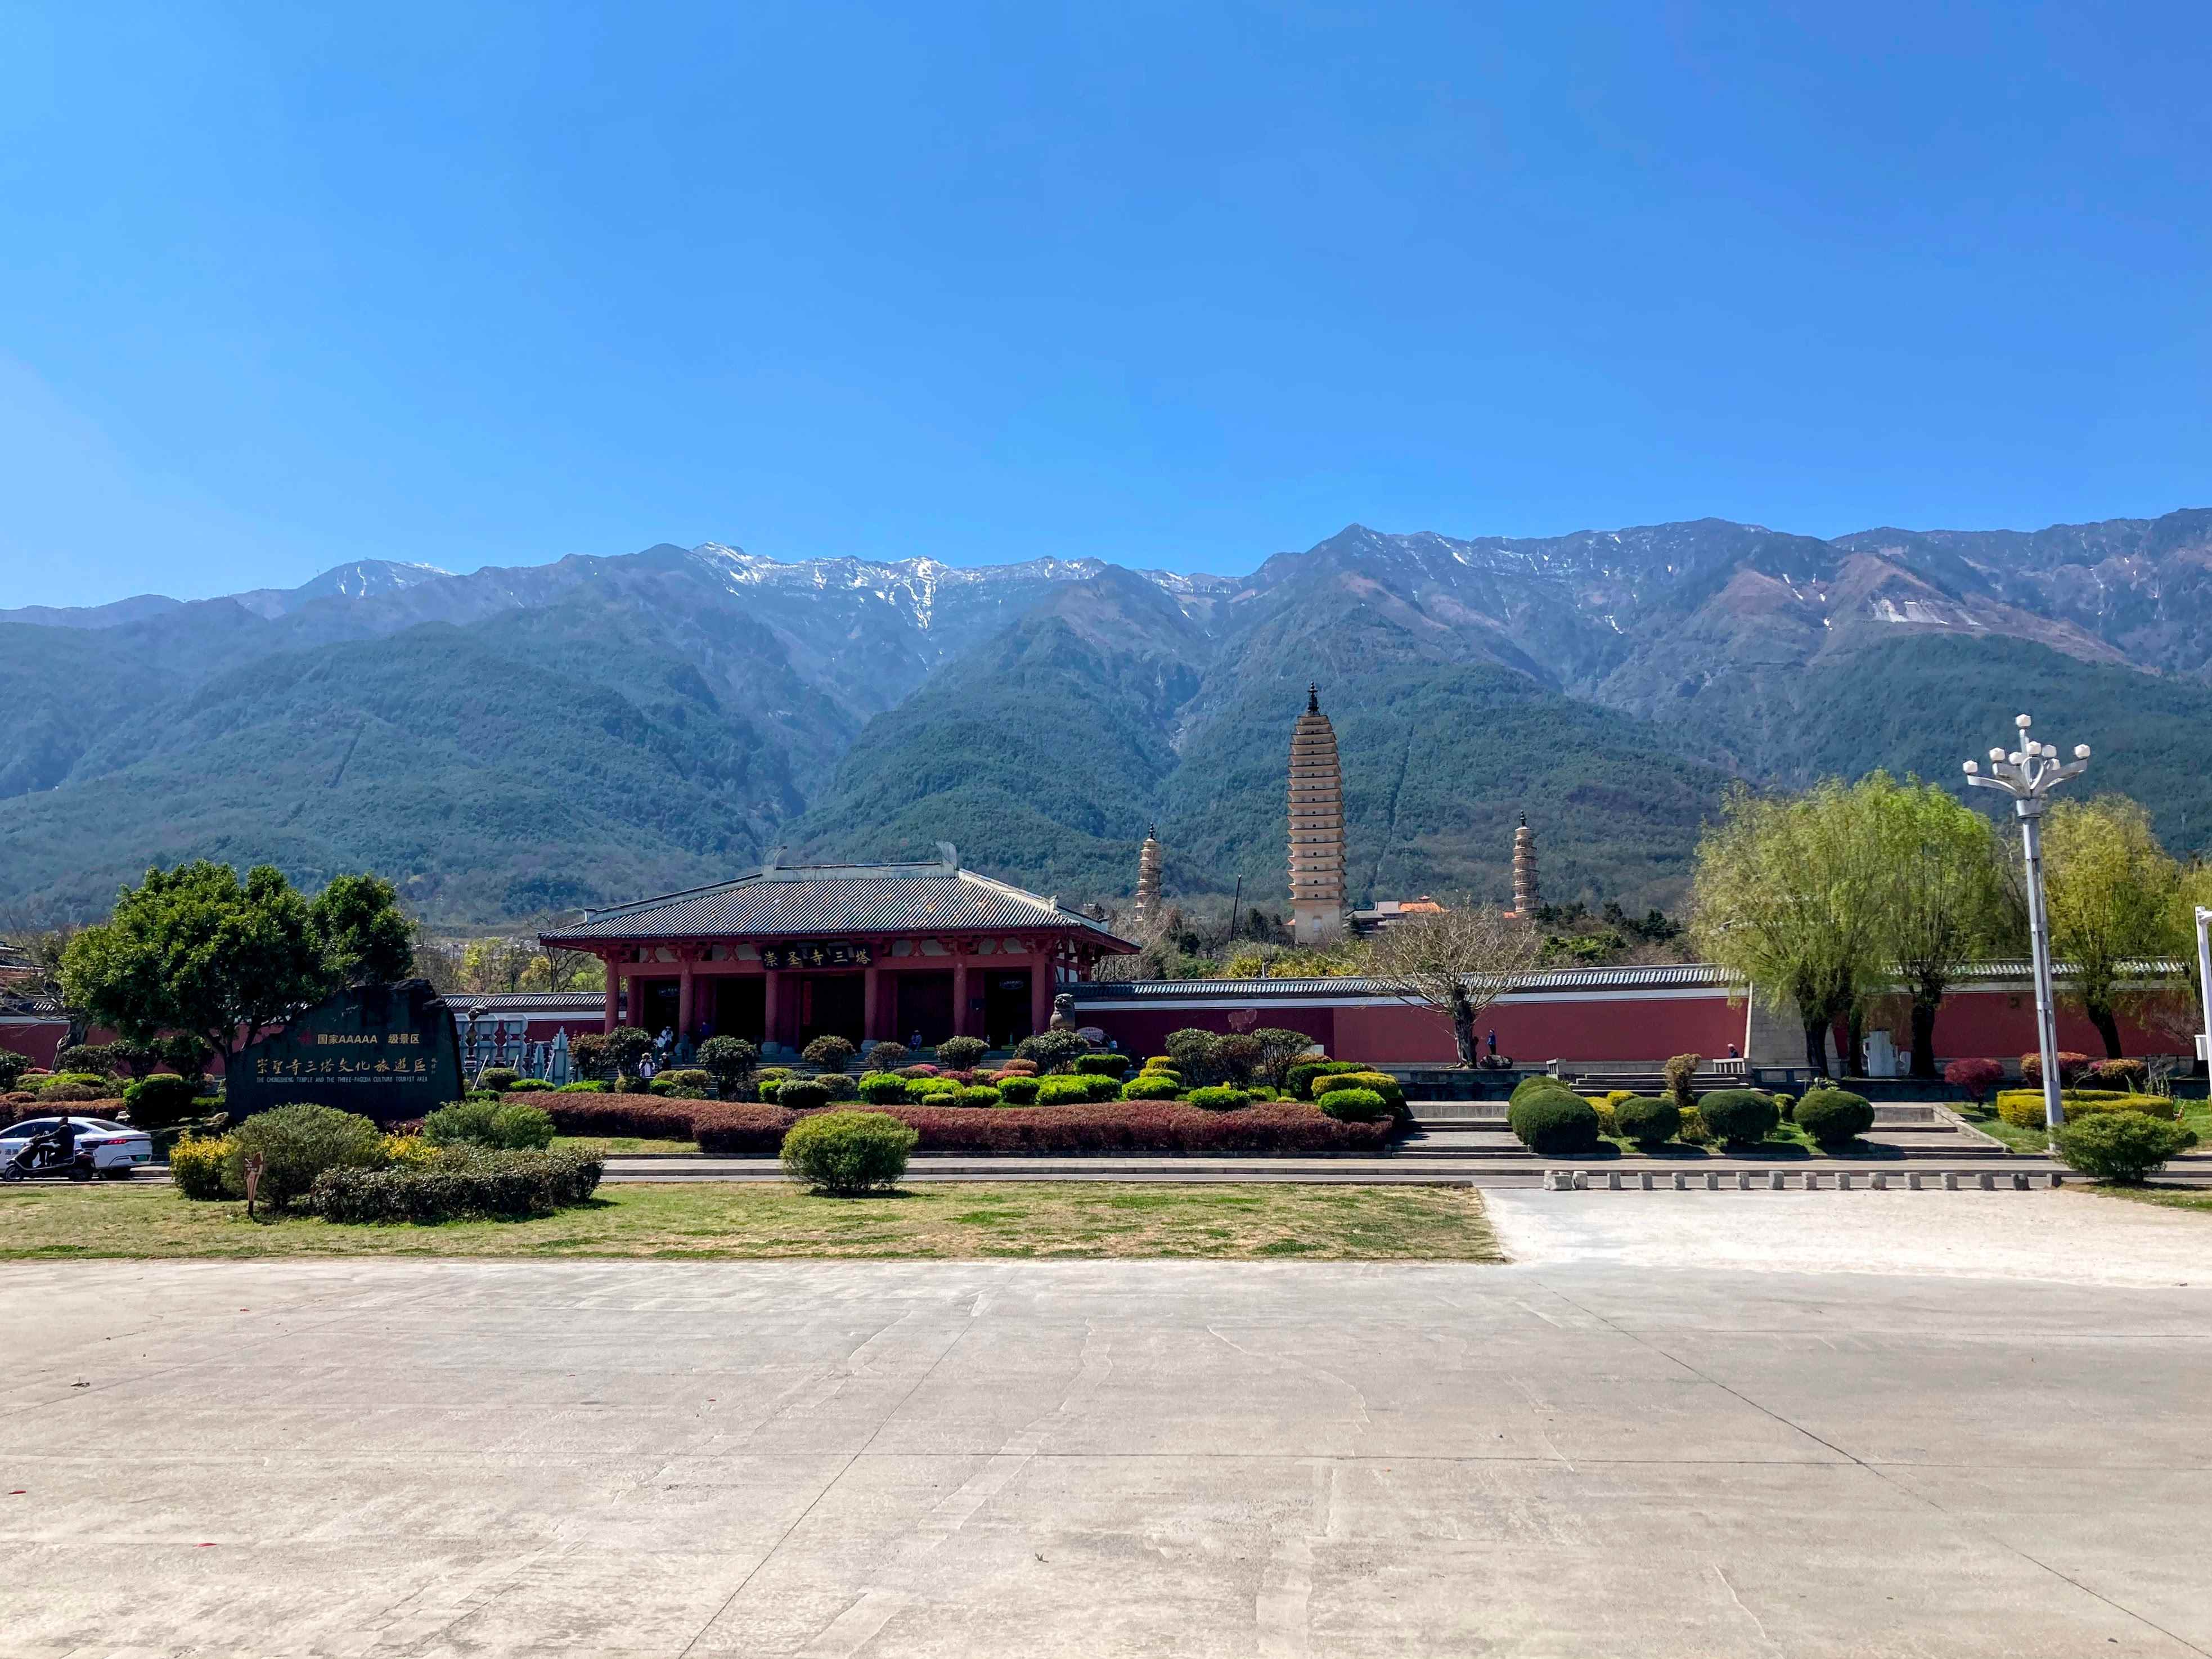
{"points": [[387, 1052]]}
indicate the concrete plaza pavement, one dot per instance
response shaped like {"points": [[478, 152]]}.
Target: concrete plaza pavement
{"points": [[1605, 1448]]}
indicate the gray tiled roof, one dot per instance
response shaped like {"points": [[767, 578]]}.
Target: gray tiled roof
{"points": [[1688, 975], [833, 899]]}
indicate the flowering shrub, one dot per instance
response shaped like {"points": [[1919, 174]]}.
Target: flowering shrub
{"points": [[1976, 1077], [2071, 1068]]}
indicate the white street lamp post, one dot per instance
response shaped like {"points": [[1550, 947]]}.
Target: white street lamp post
{"points": [[2204, 980], [2029, 774]]}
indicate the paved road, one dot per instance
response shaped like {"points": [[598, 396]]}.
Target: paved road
{"points": [[1563, 1457]]}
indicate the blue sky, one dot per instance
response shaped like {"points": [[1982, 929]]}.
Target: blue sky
{"points": [[1166, 284]]}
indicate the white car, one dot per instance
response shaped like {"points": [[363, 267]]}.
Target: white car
{"points": [[117, 1149]]}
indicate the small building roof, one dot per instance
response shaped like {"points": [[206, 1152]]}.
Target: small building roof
{"points": [[782, 900]]}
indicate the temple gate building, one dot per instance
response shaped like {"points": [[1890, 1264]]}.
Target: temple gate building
{"points": [[1316, 827], [867, 952]]}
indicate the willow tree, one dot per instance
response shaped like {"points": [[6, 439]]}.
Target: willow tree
{"points": [[2111, 891], [1787, 892], [1939, 888], [1457, 962]]}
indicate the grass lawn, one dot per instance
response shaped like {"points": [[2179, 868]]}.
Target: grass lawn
{"points": [[628, 1145], [2166, 1198], [2194, 1114], [1013, 1218]]}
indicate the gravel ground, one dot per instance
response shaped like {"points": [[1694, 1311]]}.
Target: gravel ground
{"points": [[2064, 1236]]}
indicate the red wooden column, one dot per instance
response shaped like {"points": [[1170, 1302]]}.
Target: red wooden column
{"points": [[1041, 987], [771, 1028], [872, 1003], [960, 990], [685, 956], [614, 993]]}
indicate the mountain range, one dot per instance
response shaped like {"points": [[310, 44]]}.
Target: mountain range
{"points": [[518, 741]]}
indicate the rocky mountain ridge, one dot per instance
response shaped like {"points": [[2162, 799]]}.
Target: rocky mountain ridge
{"points": [[669, 715]]}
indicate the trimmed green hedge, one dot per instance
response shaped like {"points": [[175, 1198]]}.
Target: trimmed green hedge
{"points": [[1739, 1117], [1554, 1122], [848, 1152], [1220, 1098], [1299, 1079], [1833, 1117], [1648, 1120], [1353, 1106], [510, 1125], [1114, 1065], [477, 1186], [2122, 1146]]}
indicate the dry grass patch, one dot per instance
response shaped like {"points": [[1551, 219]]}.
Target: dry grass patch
{"points": [[947, 1222]]}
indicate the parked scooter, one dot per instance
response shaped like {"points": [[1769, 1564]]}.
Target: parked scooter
{"points": [[54, 1155]]}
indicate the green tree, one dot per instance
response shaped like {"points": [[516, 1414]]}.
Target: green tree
{"points": [[195, 950], [1940, 892], [2111, 890], [365, 938], [1786, 892]]}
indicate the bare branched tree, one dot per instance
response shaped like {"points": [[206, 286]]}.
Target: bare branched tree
{"points": [[1458, 962]]}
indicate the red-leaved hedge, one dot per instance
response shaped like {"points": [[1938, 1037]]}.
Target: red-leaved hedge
{"points": [[1125, 1125], [647, 1117]]}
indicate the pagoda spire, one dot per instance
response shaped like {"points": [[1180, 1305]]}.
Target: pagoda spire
{"points": [[1148, 876], [1316, 804]]}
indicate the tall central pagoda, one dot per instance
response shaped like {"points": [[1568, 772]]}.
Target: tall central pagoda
{"points": [[1316, 827]]}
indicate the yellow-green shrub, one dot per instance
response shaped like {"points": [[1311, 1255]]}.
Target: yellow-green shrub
{"points": [[1608, 1121], [2023, 1107], [410, 1152], [198, 1164]]}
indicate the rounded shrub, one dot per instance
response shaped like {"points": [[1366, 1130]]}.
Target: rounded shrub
{"points": [[684, 1083], [1222, 1099], [1015, 1089], [199, 1166], [160, 1102], [496, 1125], [1975, 1077], [729, 1062], [528, 1085], [1019, 1068], [582, 1087], [1555, 1121], [1536, 1084], [1301, 1077], [1834, 1117], [1351, 1105], [798, 1094], [1052, 1051], [923, 1090], [2128, 1076], [832, 1053], [1114, 1065], [960, 1054], [848, 1152], [2122, 1146], [1152, 1085], [839, 1086], [1648, 1120], [883, 1089], [2023, 1107], [498, 1078], [1072, 1090], [887, 1056], [298, 1143], [975, 1096], [1739, 1117]]}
